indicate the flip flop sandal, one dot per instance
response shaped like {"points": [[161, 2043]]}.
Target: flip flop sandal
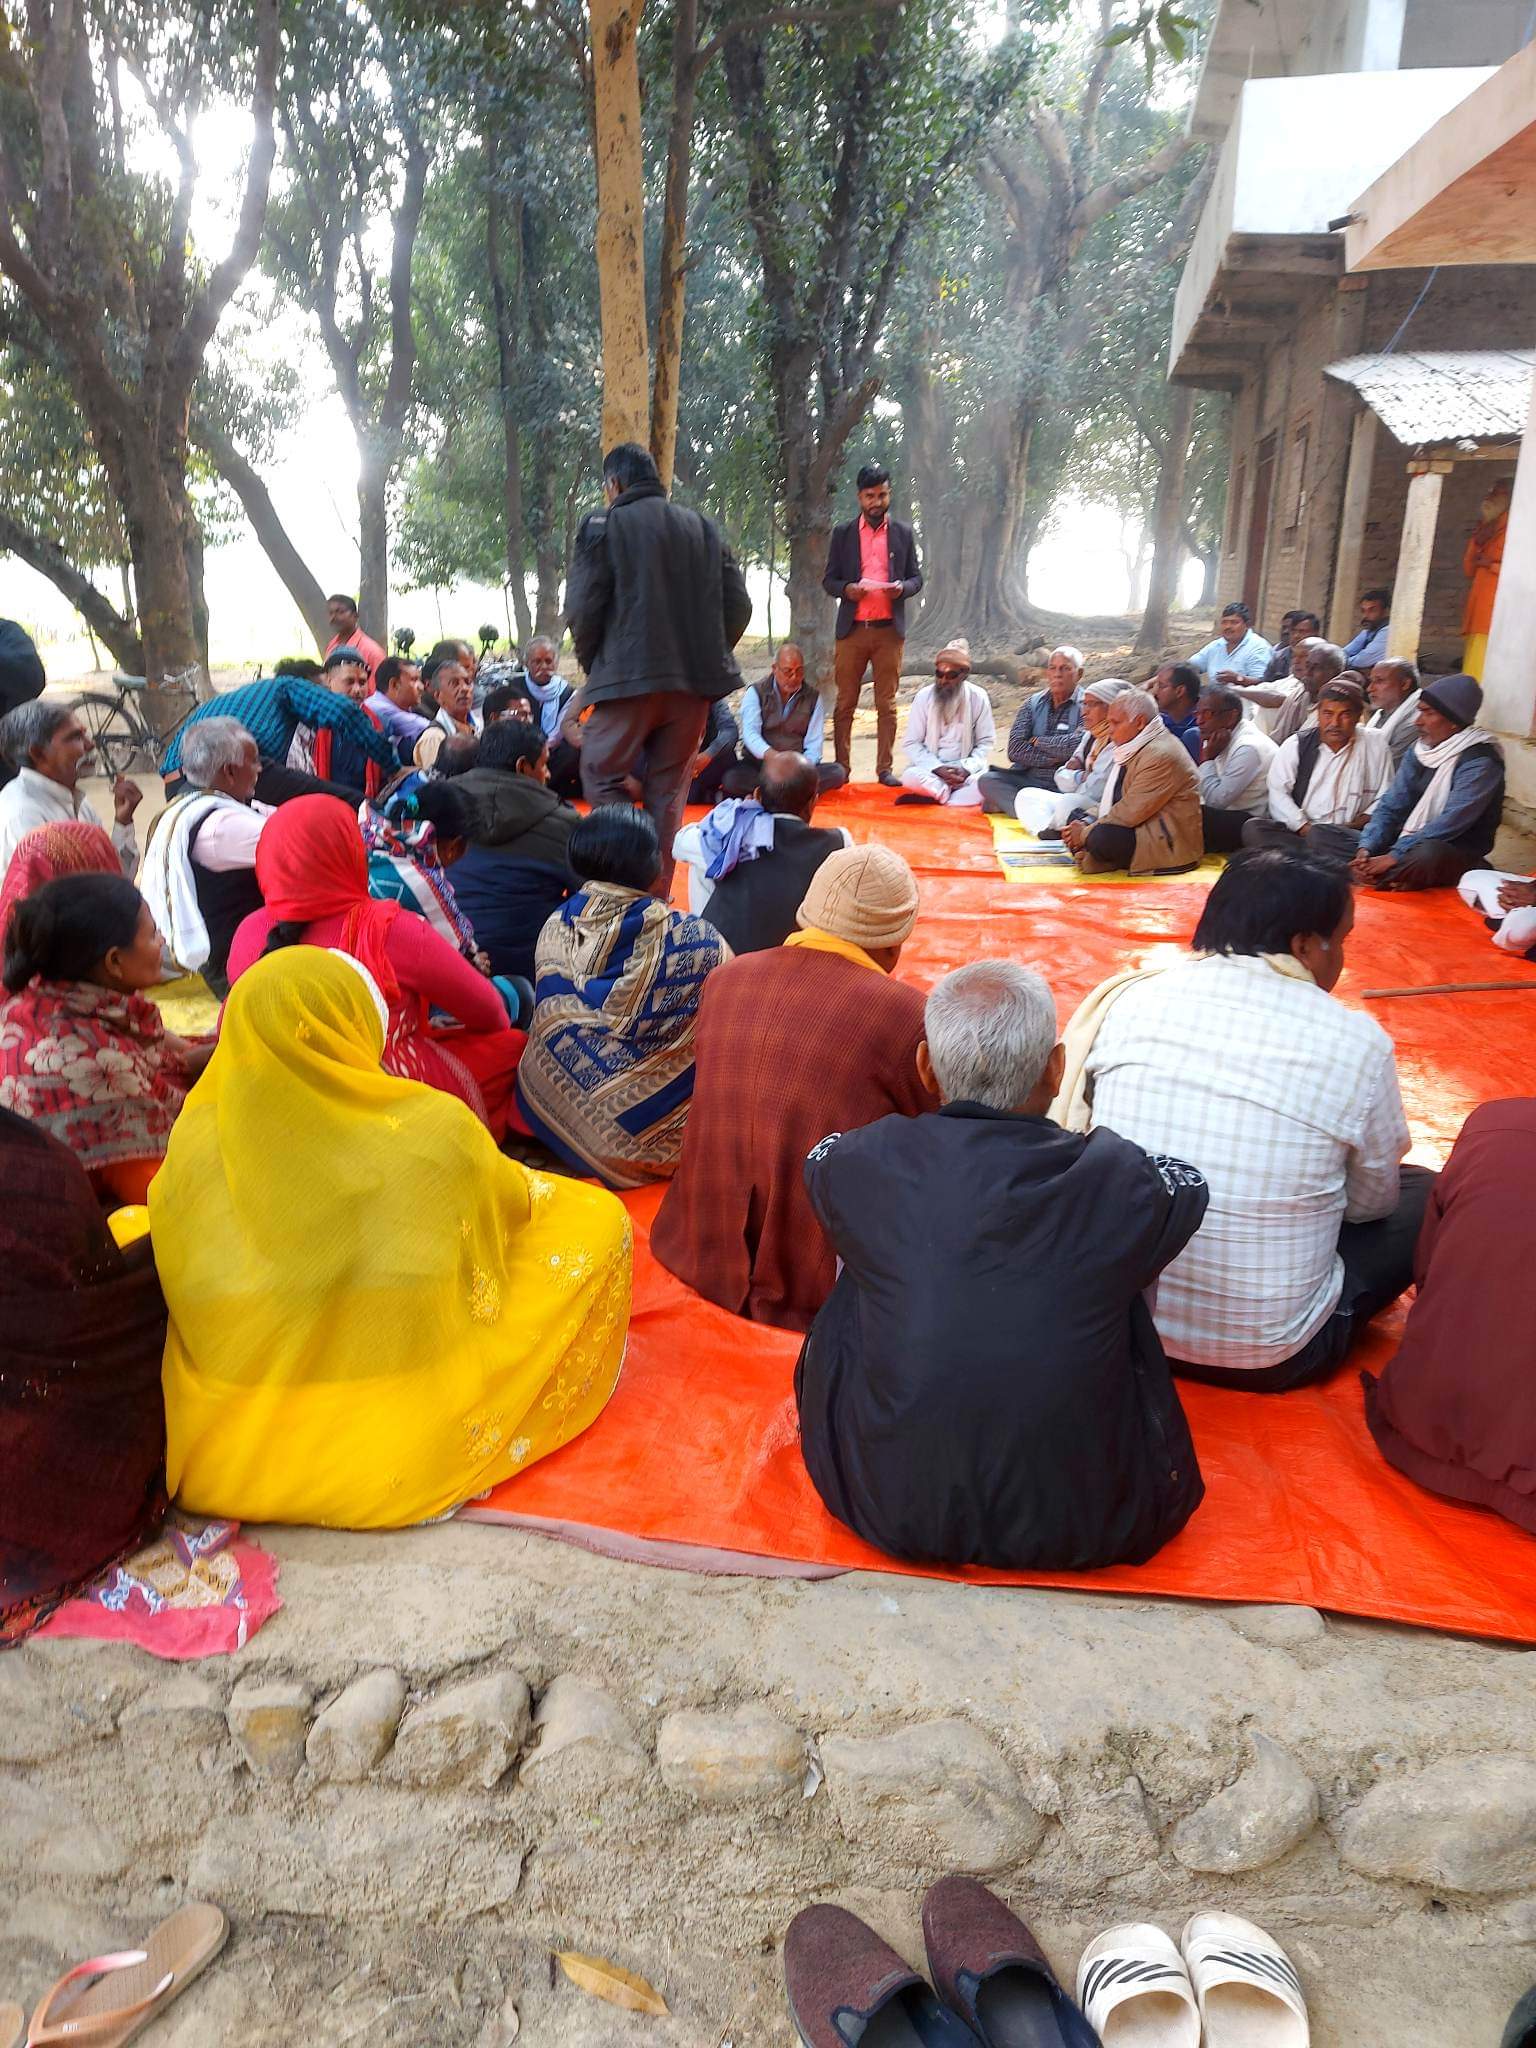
{"points": [[13, 2024], [1134, 1987], [129, 1991], [1250, 1995]]}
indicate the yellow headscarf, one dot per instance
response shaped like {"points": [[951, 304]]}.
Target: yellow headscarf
{"points": [[374, 1314]]}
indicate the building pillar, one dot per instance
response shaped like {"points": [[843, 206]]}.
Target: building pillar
{"points": [[1373, 40], [1409, 587], [1342, 620], [1509, 670]]}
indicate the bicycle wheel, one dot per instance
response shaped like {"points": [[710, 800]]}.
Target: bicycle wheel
{"points": [[119, 742]]}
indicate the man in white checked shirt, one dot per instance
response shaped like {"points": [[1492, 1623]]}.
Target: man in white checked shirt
{"points": [[1241, 1062]]}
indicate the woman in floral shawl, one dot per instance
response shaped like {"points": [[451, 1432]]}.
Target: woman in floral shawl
{"points": [[83, 1053], [607, 1076]]}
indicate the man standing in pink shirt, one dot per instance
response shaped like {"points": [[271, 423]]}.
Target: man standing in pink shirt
{"points": [[345, 632], [872, 569]]}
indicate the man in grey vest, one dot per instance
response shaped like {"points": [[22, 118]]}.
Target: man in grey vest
{"points": [[782, 714]]}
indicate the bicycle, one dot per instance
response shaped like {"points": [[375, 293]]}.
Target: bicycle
{"points": [[121, 736]]}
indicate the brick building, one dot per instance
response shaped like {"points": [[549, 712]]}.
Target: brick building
{"points": [[1312, 100]]}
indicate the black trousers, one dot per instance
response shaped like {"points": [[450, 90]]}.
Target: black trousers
{"points": [[564, 768], [1114, 845], [1223, 829], [999, 786], [1378, 1267]]}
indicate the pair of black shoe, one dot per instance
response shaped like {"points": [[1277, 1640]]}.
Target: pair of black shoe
{"points": [[991, 1981]]}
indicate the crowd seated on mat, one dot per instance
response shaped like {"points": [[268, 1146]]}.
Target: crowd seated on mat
{"points": [[83, 1052], [404, 1366], [1044, 734], [609, 1073], [1061, 1445], [1452, 1408], [949, 735], [1079, 783], [1236, 756], [815, 1036], [1313, 663], [199, 874], [313, 870], [751, 860], [515, 872], [1241, 1061], [1149, 815], [1325, 780]]}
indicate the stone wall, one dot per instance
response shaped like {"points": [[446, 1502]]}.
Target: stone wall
{"points": [[468, 1737]]}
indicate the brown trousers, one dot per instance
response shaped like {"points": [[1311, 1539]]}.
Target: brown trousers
{"points": [[656, 739], [867, 647]]}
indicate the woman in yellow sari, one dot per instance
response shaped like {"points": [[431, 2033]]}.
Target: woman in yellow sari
{"points": [[374, 1315]]}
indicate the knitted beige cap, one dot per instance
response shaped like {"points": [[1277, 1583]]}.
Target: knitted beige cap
{"points": [[865, 894]]}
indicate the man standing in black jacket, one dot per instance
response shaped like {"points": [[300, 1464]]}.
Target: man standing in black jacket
{"points": [[656, 602], [872, 569]]}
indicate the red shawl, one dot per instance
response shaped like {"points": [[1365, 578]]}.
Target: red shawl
{"points": [[82, 1424], [94, 1067], [323, 748], [311, 863], [72, 847]]}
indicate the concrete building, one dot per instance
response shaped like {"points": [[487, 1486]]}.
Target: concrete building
{"points": [[1349, 381]]}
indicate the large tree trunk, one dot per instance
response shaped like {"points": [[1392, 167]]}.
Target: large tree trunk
{"points": [[373, 468], [117, 634], [504, 301], [1167, 526], [674, 239], [620, 221], [292, 570], [169, 607]]}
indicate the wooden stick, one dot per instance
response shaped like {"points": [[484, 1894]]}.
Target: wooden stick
{"points": [[1450, 988]]}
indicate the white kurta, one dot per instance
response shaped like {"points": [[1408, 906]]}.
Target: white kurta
{"points": [[32, 800]]}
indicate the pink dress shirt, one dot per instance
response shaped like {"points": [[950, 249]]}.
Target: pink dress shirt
{"points": [[874, 567]]}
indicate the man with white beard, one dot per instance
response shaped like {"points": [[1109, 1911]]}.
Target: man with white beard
{"points": [[950, 732]]}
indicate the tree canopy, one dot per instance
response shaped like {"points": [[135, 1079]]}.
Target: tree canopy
{"points": [[843, 227]]}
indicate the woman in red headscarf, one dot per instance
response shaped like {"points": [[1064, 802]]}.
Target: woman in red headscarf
{"points": [[71, 847], [312, 870]]}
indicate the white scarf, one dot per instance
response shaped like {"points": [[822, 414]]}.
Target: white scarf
{"points": [[1124, 755], [1387, 722], [547, 697], [167, 883], [1443, 761], [962, 709]]}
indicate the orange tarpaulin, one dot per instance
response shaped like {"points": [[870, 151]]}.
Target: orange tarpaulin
{"points": [[696, 1456]]}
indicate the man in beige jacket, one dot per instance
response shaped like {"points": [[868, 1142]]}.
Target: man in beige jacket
{"points": [[1149, 814]]}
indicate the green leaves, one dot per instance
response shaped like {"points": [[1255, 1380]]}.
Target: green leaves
{"points": [[1156, 27]]}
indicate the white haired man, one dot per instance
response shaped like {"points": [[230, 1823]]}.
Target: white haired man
{"points": [[949, 733], [47, 745], [1062, 1446], [1044, 734], [1394, 692], [199, 876], [1149, 814]]}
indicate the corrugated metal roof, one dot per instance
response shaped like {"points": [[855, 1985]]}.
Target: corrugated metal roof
{"points": [[1435, 398]]}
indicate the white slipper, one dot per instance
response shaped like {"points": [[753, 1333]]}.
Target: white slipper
{"points": [[1250, 1995], [1134, 1988]]}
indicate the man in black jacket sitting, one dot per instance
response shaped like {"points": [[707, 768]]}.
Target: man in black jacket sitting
{"points": [[514, 875], [985, 1384], [753, 905], [656, 602]]}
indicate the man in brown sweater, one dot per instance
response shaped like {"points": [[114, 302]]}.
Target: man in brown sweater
{"points": [[1149, 816], [791, 1046]]}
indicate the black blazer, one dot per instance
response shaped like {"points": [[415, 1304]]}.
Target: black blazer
{"points": [[844, 566]]}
